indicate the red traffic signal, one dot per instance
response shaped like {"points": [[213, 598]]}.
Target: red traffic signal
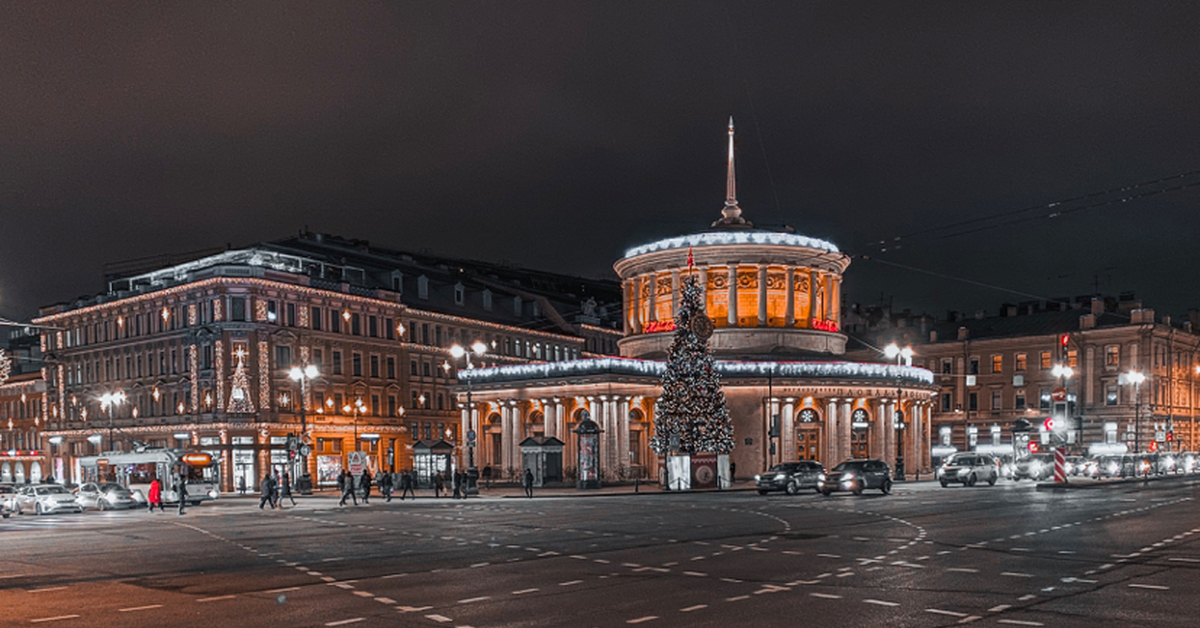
{"points": [[1048, 424], [1170, 436], [1033, 448], [1153, 445], [1064, 339]]}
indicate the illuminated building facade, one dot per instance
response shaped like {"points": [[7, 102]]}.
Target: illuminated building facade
{"points": [[202, 351]]}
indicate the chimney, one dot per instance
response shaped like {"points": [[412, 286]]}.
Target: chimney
{"points": [[980, 314], [963, 333], [1097, 306], [933, 336], [1087, 321], [1010, 310]]}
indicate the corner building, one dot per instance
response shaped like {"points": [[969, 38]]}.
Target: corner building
{"points": [[773, 298]]}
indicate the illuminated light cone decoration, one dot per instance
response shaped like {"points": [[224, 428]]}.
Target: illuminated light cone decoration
{"points": [[239, 393], [692, 405]]}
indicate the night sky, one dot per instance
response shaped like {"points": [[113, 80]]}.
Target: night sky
{"points": [[555, 135]]}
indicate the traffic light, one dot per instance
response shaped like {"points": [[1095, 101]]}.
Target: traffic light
{"points": [[1063, 340], [292, 456], [1153, 445], [1170, 436], [1033, 447], [1048, 424]]}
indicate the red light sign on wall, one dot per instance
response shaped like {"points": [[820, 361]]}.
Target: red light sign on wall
{"points": [[657, 326], [824, 325]]}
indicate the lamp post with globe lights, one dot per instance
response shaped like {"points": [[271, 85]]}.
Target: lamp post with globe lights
{"points": [[903, 357], [109, 401], [303, 375], [458, 352], [1135, 378]]}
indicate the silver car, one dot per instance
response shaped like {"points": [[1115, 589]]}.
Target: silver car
{"points": [[46, 498], [104, 496], [968, 469]]}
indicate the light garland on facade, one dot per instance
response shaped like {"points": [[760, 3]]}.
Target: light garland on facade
{"points": [[194, 363], [264, 376], [717, 238], [5, 366], [889, 373], [219, 373]]}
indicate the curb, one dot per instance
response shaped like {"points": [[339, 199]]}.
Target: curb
{"points": [[1110, 483]]}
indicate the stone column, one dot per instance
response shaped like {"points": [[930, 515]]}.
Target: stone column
{"points": [[791, 296], [548, 422], [518, 434], [674, 292], [560, 421], [623, 431], [844, 429], [505, 437], [733, 295], [466, 425], [926, 454], [627, 287], [652, 315], [814, 279], [890, 444], [636, 318], [832, 455], [787, 430], [704, 284], [762, 295], [879, 437]]}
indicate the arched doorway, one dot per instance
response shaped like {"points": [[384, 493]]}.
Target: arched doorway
{"points": [[810, 434], [861, 429]]}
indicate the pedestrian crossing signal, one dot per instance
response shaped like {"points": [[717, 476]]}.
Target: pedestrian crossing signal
{"points": [[1033, 448]]}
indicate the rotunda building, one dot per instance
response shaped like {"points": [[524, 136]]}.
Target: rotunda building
{"points": [[773, 298]]}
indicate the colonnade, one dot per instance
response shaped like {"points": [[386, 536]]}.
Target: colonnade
{"points": [[837, 423]]}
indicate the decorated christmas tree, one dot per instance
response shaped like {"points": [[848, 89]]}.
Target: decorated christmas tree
{"points": [[692, 406], [239, 387]]}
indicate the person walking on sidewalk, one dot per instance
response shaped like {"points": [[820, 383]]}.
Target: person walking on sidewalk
{"points": [[406, 485], [364, 482], [346, 482], [456, 482], [181, 491], [154, 496], [267, 488], [439, 483], [385, 486], [528, 482], [285, 489]]}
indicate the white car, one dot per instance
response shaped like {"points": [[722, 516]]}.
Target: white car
{"points": [[46, 498], [969, 468]]}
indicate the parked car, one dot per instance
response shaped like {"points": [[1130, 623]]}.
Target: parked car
{"points": [[45, 498], [791, 477], [104, 496], [1187, 462], [969, 468], [1108, 466], [856, 476], [8, 504], [1036, 467]]}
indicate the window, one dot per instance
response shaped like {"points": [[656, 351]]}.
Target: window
{"points": [[1045, 361], [1019, 400], [272, 314], [389, 329], [487, 300], [397, 282], [997, 364], [356, 324], [374, 366], [974, 368], [337, 363], [1110, 395], [517, 306], [1019, 362], [425, 333], [373, 326], [374, 405], [391, 405], [291, 314], [460, 294], [317, 355], [425, 369], [946, 402], [283, 357], [997, 400], [413, 368], [237, 309], [356, 364], [315, 317], [1073, 358], [973, 401], [335, 322], [437, 335], [1112, 355], [391, 367]]}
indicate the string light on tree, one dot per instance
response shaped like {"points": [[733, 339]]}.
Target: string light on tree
{"points": [[239, 384]]}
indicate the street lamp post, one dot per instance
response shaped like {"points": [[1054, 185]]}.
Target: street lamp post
{"points": [[457, 351], [108, 401], [1136, 378], [356, 409], [302, 375], [903, 357]]}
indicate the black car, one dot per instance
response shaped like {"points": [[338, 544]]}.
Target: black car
{"points": [[790, 477], [856, 476]]}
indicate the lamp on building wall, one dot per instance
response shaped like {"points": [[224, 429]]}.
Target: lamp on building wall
{"points": [[108, 401]]}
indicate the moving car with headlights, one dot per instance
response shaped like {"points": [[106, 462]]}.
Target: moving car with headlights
{"points": [[791, 477], [856, 476], [1037, 467], [1187, 461], [104, 496], [968, 469], [8, 495], [45, 499]]}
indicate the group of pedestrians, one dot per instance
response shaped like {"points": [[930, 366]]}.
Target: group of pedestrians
{"points": [[350, 487], [154, 496], [275, 488]]}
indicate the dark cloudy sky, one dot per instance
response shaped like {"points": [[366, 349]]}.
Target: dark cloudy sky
{"points": [[554, 135]]}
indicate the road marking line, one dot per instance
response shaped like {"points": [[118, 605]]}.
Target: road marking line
{"points": [[364, 594], [475, 599], [45, 589], [962, 569], [385, 600], [828, 555], [439, 618], [735, 599], [694, 573], [1184, 560], [1014, 574], [328, 579], [478, 565], [1017, 622], [138, 608], [967, 620], [602, 561], [693, 608], [881, 602], [214, 599], [38, 621], [524, 591], [283, 590], [1026, 598], [346, 621], [827, 596], [395, 575], [642, 619], [412, 609], [939, 611], [1150, 586], [569, 583], [999, 607], [733, 580]]}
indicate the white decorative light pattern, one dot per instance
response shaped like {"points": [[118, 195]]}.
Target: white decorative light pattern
{"points": [[732, 237], [194, 365], [220, 374], [264, 376], [651, 368], [5, 366]]}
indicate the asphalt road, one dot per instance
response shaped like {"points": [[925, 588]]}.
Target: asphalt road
{"points": [[1007, 555]]}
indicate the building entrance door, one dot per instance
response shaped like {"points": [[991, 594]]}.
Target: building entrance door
{"points": [[809, 442]]}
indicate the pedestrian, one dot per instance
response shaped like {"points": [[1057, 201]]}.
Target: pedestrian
{"points": [[385, 486], [275, 487], [181, 490], [267, 488], [438, 484], [407, 482], [346, 482], [528, 482], [154, 496], [487, 475], [241, 484], [364, 482], [285, 489], [455, 482]]}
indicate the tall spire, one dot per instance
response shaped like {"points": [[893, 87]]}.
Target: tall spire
{"points": [[731, 214]]}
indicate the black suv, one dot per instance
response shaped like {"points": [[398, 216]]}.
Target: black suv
{"points": [[790, 477], [855, 476]]}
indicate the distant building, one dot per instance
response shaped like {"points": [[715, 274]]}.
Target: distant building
{"points": [[993, 370], [202, 351], [21, 396]]}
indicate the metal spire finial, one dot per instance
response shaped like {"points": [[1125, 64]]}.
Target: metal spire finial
{"points": [[731, 214]]}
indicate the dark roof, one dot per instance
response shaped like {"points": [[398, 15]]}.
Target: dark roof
{"points": [[1034, 324]]}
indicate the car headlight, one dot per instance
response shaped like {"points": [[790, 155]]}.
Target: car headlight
{"points": [[821, 477], [1035, 467], [213, 494], [757, 478], [780, 476]]}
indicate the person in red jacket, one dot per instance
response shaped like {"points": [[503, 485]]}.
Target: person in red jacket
{"points": [[155, 496]]}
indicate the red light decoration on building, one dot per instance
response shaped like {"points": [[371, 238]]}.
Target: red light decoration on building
{"points": [[658, 326], [824, 325]]}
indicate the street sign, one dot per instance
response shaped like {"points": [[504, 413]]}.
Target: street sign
{"points": [[1059, 394], [1160, 437], [470, 436], [305, 450]]}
